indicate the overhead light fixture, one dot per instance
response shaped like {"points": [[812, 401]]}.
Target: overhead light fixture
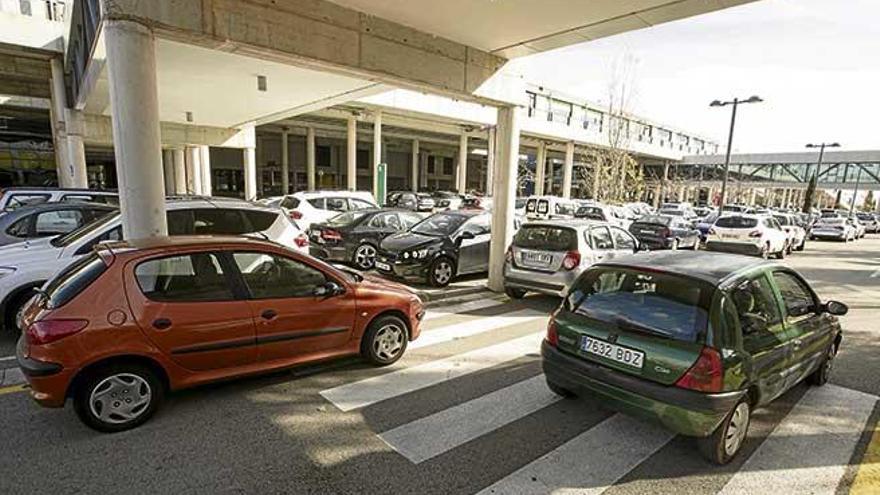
{"points": [[189, 116], [261, 83]]}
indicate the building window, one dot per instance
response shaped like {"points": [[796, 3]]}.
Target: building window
{"points": [[322, 156]]}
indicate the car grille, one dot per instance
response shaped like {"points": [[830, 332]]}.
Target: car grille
{"points": [[386, 255]]}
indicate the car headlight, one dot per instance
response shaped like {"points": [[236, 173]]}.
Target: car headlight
{"points": [[4, 271]]}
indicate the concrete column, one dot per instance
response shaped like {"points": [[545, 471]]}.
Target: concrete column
{"points": [[504, 194], [551, 173], [58, 111], [134, 106], [490, 161], [658, 190], [250, 173], [205, 160], [76, 149], [179, 163], [423, 173], [377, 153], [193, 170], [567, 170], [751, 196], [462, 163], [285, 163], [414, 174], [168, 170], [540, 163], [351, 155], [310, 158]]}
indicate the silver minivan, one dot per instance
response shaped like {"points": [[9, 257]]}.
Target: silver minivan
{"points": [[547, 256]]}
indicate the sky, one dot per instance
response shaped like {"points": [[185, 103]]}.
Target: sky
{"points": [[816, 63]]}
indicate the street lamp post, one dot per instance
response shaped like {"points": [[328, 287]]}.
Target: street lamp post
{"points": [[821, 147], [735, 102]]}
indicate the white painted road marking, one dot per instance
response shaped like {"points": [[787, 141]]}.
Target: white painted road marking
{"points": [[809, 450], [454, 309], [376, 389], [589, 463], [7, 358], [433, 435], [474, 327]]}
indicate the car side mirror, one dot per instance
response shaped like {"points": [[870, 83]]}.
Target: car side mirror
{"points": [[465, 235], [835, 308], [329, 289]]}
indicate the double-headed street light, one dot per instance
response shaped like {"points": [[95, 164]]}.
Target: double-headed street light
{"points": [[821, 147], [735, 102]]}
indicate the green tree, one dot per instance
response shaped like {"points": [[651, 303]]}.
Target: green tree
{"points": [[870, 203], [810, 195]]}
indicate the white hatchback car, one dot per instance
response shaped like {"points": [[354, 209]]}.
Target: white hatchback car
{"points": [[838, 228], [25, 266], [797, 236], [549, 208], [759, 235], [306, 208]]}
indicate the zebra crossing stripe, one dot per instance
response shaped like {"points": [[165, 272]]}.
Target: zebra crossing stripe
{"points": [[464, 307], [433, 435], [809, 450], [474, 327], [376, 389], [589, 463]]}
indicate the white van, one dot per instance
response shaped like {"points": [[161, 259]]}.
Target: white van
{"points": [[549, 208]]}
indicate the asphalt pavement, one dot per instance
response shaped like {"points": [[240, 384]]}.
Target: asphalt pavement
{"points": [[465, 411]]}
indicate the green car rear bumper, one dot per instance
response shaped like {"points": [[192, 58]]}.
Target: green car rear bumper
{"points": [[683, 411]]}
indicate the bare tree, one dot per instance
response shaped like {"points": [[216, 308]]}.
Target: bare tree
{"points": [[616, 175]]}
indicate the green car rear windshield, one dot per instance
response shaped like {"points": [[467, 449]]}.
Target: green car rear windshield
{"points": [[662, 304]]}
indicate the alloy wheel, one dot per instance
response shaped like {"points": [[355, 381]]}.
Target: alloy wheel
{"points": [[365, 256], [120, 398], [442, 272], [388, 342], [736, 429]]}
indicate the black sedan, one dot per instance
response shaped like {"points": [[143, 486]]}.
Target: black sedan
{"points": [[665, 232], [353, 237], [438, 249], [48, 220]]}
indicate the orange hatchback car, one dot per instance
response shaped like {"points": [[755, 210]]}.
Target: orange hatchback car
{"points": [[119, 328]]}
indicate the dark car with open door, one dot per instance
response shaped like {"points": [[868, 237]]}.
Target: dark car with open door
{"points": [[354, 236], [439, 248]]}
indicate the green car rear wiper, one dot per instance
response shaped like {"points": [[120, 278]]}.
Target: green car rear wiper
{"points": [[631, 326]]}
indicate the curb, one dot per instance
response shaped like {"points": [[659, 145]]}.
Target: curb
{"points": [[10, 377], [430, 298]]}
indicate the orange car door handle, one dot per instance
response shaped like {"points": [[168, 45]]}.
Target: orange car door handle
{"points": [[161, 323], [269, 314]]}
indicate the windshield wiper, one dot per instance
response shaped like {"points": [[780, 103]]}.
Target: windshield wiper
{"points": [[631, 326]]}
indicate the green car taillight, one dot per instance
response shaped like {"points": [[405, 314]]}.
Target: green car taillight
{"points": [[552, 333], [707, 373]]}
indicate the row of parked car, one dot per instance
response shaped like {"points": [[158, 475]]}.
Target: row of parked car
{"points": [[661, 335]]}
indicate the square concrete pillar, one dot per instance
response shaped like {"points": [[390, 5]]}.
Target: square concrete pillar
{"points": [[567, 170], [351, 155], [377, 153], [249, 156], [285, 162], [540, 163], [168, 170], [414, 166], [504, 193], [310, 158], [193, 170], [205, 161]]}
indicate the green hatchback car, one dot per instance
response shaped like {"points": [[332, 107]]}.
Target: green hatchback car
{"points": [[695, 341]]}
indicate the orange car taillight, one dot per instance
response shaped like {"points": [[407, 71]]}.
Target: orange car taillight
{"points": [[706, 375], [47, 331], [552, 333]]}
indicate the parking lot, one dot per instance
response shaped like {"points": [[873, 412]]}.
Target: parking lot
{"points": [[465, 411]]}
